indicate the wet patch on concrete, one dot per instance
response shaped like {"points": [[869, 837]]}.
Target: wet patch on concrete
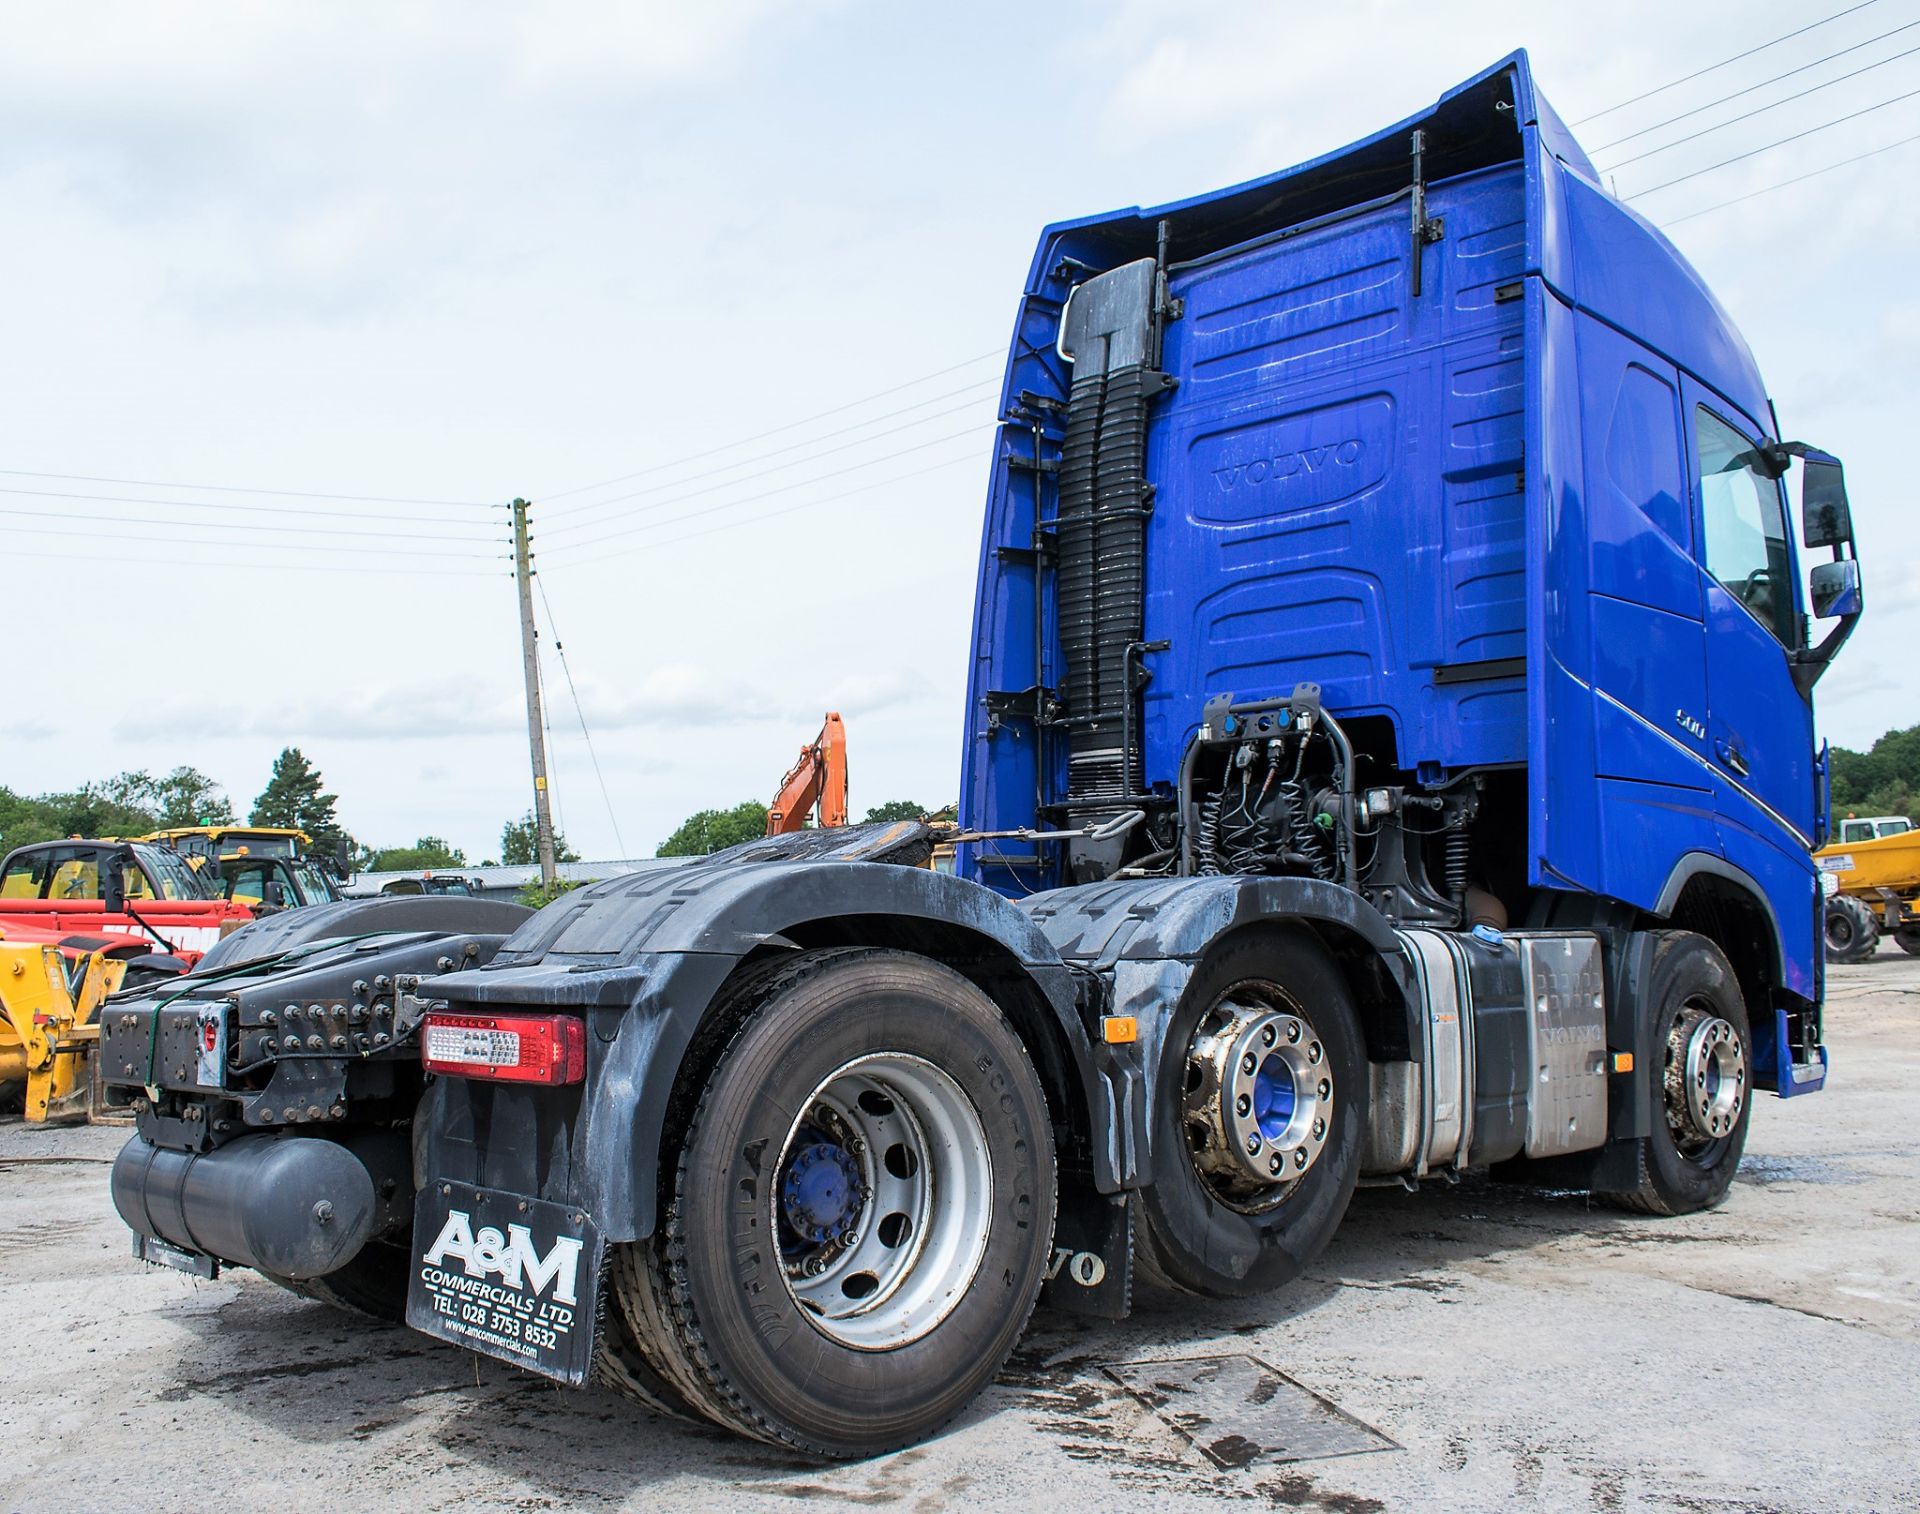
{"points": [[1236, 1410], [1766, 1171]]}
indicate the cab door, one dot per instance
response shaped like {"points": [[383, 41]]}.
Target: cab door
{"points": [[1759, 728], [1759, 725]]}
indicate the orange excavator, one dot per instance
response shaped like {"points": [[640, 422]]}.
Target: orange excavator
{"points": [[817, 778]]}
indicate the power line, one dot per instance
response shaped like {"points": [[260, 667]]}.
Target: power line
{"points": [[92, 534], [679, 497], [809, 504], [1761, 110], [734, 504], [1724, 62], [1724, 99], [560, 648], [273, 510], [150, 561], [158, 483], [126, 520], [1742, 157], [1796, 179], [979, 391], [819, 415]]}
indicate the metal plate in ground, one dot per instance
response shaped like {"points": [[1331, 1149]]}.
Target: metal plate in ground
{"points": [[1238, 1410]]}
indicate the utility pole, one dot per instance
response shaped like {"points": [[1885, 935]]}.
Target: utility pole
{"points": [[536, 729]]}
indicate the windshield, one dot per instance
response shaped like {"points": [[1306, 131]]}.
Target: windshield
{"points": [[170, 872], [314, 886]]}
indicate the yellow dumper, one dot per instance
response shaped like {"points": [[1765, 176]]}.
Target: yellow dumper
{"points": [[49, 991], [1873, 889]]}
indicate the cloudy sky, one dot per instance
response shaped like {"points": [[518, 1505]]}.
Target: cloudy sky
{"points": [[422, 258]]}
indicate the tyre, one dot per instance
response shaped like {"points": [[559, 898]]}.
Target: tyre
{"points": [[1908, 937], [373, 1283], [1260, 1116], [858, 1209], [1697, 1060], [1852, 932]]}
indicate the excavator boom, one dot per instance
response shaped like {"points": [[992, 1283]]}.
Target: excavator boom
{"points": [[818, 777]]}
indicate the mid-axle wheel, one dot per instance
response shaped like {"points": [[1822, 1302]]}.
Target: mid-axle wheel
{"points": [[1259, 1115]]}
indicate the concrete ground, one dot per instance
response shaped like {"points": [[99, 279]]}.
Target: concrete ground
{"points": [[1511, 1349]]}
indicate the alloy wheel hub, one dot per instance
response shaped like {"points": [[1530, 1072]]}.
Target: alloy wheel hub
{"points": [[1706, 1077], [1259, 1098]]}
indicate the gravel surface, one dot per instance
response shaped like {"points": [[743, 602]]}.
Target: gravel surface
{"points": [[1508, 1349]]}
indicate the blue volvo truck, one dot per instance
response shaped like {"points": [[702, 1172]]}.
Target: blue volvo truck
{"points": [[1388, 752]]}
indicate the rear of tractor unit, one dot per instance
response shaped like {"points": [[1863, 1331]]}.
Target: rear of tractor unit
{"points": [[1389, 753]]}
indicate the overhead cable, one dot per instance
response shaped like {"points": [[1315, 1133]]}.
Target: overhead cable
{"points": [[1796, 179], [976, 391], [734, 504], [679, 496], [1661, 89], [1769, 147], [818, 415], [276, 511], [560, 649], [1760, 110], [157, 483]]}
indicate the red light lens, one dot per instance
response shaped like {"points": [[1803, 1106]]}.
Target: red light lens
{"points": [[547, 1049]]}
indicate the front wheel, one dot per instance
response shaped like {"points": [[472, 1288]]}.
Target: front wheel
{"points": [[1259, 1120], [861, 1212], [1698, 1062]]}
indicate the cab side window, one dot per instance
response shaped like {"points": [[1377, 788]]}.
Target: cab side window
{"points": [[1745, 540]]}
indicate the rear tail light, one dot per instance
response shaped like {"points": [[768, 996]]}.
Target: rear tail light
{"points": [[548, 1049]]}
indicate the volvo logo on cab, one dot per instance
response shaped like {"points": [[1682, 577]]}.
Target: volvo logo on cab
{"points": [[1283, 465]]}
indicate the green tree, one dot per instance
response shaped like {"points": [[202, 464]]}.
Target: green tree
{"points": [[427, 852], [295, 797], [1883, 780], [520, 846], [186, 796], [716, 830], [893, 809]]}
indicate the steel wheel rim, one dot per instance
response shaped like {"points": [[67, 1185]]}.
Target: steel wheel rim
{"points": [[882, 1201], [1258, 1105], [1706, 1079]]}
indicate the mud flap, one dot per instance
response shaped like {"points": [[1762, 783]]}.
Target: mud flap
{"points": [[509, 1277], [1091, 1269]]}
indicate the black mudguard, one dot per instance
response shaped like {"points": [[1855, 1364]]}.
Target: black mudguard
{"points": [[1145, 937], [646, 956]]}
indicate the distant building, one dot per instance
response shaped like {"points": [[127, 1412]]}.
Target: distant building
{"points": [[493, 882]]}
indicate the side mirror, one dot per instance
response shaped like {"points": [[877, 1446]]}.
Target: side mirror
{"points": [[1834, 587], [1824, 518]]}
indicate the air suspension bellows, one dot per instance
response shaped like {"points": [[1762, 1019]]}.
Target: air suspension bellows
{"points": [[1104, 499]]}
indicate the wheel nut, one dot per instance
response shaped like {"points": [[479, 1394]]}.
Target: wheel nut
{"points": [[1325, 1090], [1253, 1144], [1274, 1164], [1248, 1063], [1319, 1129], [1313, 1052], [1299, 1159], [1243, 1106], [1293, 1031], [1268, 1036]]}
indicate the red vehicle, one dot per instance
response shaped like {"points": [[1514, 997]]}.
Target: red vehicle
{"points": [[116, 888]]}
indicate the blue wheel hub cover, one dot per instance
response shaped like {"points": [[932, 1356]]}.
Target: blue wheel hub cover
{"points": [[820, 1195], [1274, 1097]]}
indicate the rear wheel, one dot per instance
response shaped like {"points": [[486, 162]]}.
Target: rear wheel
{"points": [[1852, 932], [1260, 1115], [859, 1219], [373, 1282], [1699, 1061]]}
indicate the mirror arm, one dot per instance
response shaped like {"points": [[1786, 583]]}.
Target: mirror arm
{"points": [[1811, 662]]}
